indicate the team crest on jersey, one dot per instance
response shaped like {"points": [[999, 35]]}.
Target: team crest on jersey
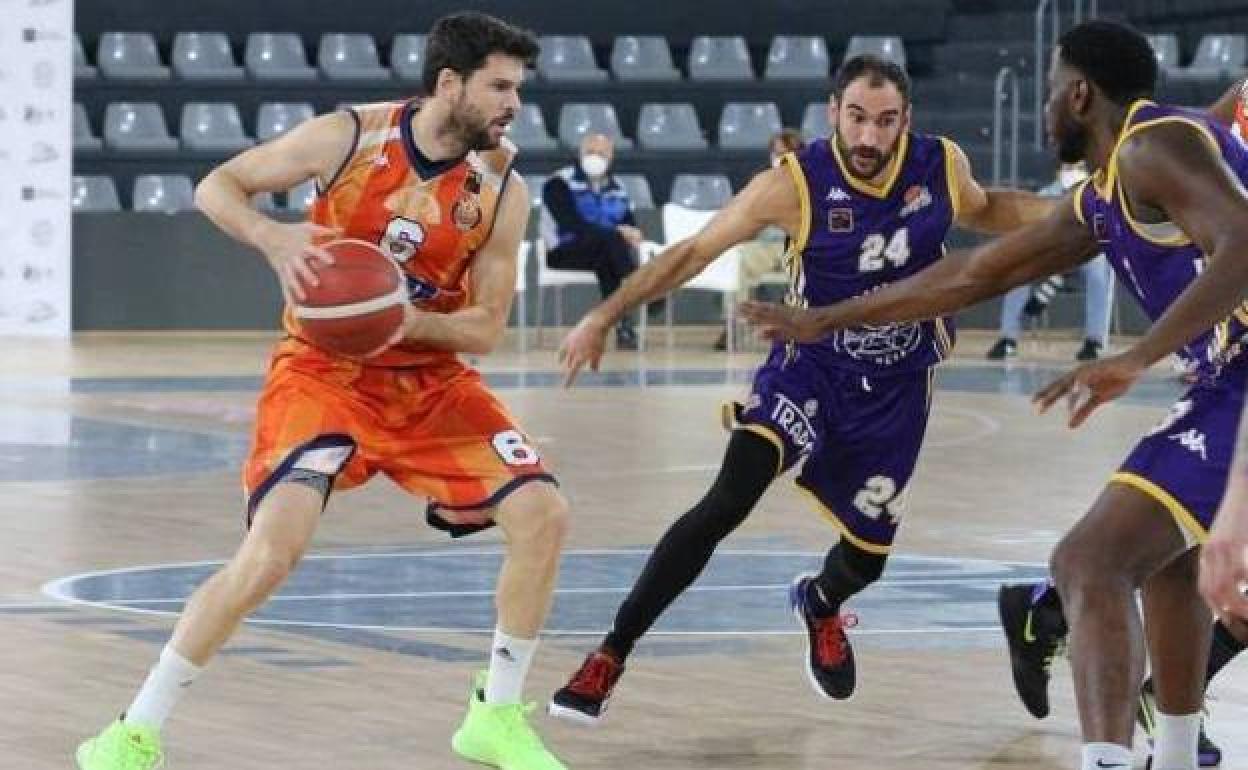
{"points": [[1099, 227], [916, 198], [841, 220], [466, 212]]}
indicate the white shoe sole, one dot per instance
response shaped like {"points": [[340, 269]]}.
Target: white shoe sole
{"points": [[574, 716]]}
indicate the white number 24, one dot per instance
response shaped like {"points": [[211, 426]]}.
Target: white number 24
{"points": [[877, 251]]}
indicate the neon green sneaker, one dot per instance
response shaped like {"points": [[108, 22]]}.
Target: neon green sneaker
{"points": [[500, 735], [122, 747]]}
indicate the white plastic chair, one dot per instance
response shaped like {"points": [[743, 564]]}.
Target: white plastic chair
{"points": [[723, 275], [552, 278], [521, 300]]}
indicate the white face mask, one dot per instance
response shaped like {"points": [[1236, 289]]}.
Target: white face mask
{"points": [[1069, 177], [775, 161], [594, 164]]}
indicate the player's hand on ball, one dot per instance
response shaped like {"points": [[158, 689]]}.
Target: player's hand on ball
{"points": [[783, 322], [1090, 385], [583, 346], [410, 319], [293, 251]]}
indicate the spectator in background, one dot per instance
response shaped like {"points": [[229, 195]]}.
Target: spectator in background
{"points": [[765, 254], [587, 224], [1032, 302]]}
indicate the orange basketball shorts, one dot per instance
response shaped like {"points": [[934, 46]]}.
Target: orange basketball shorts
{"points": [[436, 430]]}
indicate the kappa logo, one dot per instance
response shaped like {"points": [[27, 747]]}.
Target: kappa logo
{"points": [[837, 194], [1193, 441]]}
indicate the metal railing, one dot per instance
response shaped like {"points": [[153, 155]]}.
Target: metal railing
{"points": [[1006, 75]]}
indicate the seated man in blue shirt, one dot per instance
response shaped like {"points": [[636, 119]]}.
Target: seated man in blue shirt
{"points": [[587, 224]]}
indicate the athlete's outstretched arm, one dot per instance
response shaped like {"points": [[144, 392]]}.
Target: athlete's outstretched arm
{"points": [[1172, 172], [771, 198], [479, 327], [1224, 559], [992, 210], [1057, 243]]}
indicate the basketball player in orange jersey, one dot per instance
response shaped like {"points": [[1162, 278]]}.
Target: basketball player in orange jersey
{"points": [[430, 182]]}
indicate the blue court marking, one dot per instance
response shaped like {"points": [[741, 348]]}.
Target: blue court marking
{"points": [[450, 591]]}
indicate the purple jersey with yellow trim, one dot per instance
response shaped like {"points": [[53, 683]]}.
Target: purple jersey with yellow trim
{"points": [[1157, 261], [857, 238]]}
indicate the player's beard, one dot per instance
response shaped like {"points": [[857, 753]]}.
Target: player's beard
{"points": [[1072, 140], [880, 159], [469, 127]]}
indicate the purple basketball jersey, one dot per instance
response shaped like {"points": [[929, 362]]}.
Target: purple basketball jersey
{"points": [[1157, 261], [858, 238]]}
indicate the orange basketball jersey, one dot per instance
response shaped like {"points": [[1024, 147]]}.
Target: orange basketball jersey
{"points": [[431, 217], [1240, 126]]}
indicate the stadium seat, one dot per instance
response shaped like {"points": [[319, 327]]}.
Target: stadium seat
{"points": [[84, 139], [137, 127], [568, 58], [578, 119], [204, 56], [669, 127], [529, 131], [1166, 47], [94, 193], [748, 126], [350, 57], [700, 191], [887, 47], [212, 127], [276, 118], [642, 58], [82, 70], [129, 56], [815, 123], [166, 193], [638, 189], [301, 197], [1217, 56], [277, 56], [407, 57], [797, 58], [719, 58]]}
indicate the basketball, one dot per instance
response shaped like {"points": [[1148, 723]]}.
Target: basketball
{"points": [[358, 304]]}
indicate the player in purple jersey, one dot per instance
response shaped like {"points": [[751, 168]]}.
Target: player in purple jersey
{"points": [[865, 207], [1167, 205]]}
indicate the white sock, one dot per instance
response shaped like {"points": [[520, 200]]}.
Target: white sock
{"points": [[1099, 756], [509, 665], [1177, 742], [162, 690]]}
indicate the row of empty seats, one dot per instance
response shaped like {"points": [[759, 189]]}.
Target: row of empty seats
{"points": [[1216, 56], [218, 126], [171, 193], [564, 58]]}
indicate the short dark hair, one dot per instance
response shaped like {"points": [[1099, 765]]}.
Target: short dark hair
{"points": [[1117, 58], [877, 69], [462, 41]]}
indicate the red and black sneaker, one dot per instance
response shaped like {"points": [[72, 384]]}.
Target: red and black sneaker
{"points": [[829, 656], [584, 698]]}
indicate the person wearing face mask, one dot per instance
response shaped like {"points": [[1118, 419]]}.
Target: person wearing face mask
{"points": [[587, 224], [1025, 300], [764, 254]]}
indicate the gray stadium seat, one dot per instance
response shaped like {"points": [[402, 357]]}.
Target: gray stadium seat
{"points": [[407, 56], [719, 58], [137, 127], [1166, 47], [669, 127], [350, 57], [578, 119], [700, 191], [129, 56], [301, 197], [167, 193], [277, 56], [638, 189], [82, 70], [568, 58], [887, 47], [797, 58], [642, 58], [1217, 56], [264, 201], [204, 56], [535, 183], [94, 193], [84, 138], [276, 118], [748, 126], [815, 123], [212, 127], [529, 131]]}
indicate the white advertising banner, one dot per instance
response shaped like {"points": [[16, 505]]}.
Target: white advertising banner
{"points": [[36, 157]]}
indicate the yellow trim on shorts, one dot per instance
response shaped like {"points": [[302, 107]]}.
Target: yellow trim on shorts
{"points": [[1182, 516], [826, 512]]}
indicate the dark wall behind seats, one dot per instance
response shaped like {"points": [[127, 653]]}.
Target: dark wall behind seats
{"points": [[758, 20]]}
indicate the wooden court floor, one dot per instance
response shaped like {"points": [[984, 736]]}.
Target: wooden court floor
{"points": [[119, 489]]}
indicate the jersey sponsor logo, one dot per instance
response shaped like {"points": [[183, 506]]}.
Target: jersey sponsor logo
{"points": [[1193, 441], [792, 420], [841, 220], [1100, 228], [916, 198]]}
